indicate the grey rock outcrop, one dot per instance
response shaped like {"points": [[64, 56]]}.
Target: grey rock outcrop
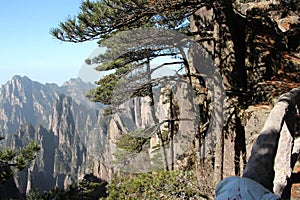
{"points": [[274, 146], [26, 101], [61, 122], [135, 118]]}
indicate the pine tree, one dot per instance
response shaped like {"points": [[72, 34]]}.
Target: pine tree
{"points": [[248, 48], [12, 160]]}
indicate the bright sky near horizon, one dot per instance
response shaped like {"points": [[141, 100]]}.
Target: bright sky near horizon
{"points": [[27, 47]]}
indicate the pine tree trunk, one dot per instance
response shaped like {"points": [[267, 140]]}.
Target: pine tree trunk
{"points": [[156, 121], [219, 150], [172, 132]]}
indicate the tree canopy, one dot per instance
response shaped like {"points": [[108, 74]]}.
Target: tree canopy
{"points": [[102, 19], [222, 32], [11, 160], [253, 45]]}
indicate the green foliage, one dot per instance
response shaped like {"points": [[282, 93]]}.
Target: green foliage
{"points": [[161, 184], [107, 111], [106, 85], [247, 1], [157, 185], [63, 160], [105, 90], [89, 188], [102, 19], [33, 195], [130, 147], [165, 133], [131, 75], [131, 143], [11, 160]]}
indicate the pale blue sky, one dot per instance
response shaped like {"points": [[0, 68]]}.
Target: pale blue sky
{"points": [[26, 46]]}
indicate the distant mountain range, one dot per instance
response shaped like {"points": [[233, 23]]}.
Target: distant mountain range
{"points": [[77, 139], [25, 101], [60, 119]]}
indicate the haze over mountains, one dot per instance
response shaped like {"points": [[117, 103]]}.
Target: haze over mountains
{"points": [[77, 139], [27, 101], [60, 119]]}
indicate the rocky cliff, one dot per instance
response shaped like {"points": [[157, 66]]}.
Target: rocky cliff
{"points": [[76, 138], [166, 139], [60, 119], [27, 101]]}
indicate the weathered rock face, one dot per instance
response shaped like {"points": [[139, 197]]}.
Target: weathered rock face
{"points": [[178, 103], [25, 101], [79, 140], [134, 114], [256, 49], [136, 118], [255, 117], [272, 50], [70, 151], [62, 153], [40, 173], [187, 126], [60, 124], [238, 142]]}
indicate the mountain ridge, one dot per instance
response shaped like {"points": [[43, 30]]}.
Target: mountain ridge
{"points": [[24, 100], [58, 119]]}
